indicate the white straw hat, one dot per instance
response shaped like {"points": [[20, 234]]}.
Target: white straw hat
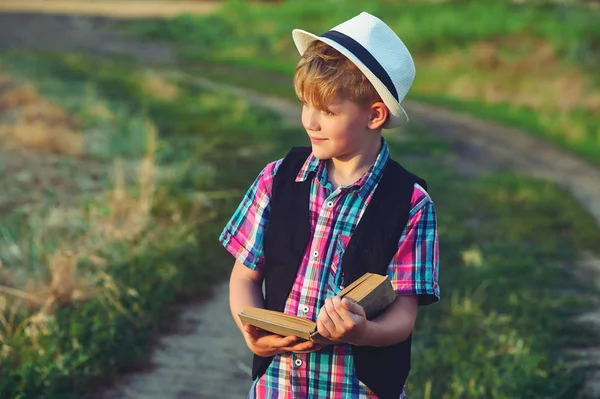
{"points": [[377, 51]]}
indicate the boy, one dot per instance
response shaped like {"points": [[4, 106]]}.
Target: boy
{"points": [[320, 218]]}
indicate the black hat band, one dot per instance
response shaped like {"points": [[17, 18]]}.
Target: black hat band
{"points": [[365, 57]]}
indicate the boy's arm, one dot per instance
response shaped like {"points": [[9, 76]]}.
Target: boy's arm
{"points": [[413, 272], [393, 326], [243, 238], [344, 320], [245, 289]]}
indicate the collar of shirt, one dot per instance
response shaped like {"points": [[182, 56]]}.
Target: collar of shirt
{"points": [[363, 185]]}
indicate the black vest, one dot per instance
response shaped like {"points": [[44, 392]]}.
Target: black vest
{"points": [[372, 246]]}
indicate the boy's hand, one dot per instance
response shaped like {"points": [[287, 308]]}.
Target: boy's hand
{"points": [[263, 343], [342, 320]]}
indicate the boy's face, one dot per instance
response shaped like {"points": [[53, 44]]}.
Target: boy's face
{"points": [[342, 131]]}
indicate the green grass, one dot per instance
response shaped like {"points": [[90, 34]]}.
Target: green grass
{"points": [[258, 37], [203, 142], [572, 30], [271, 82], [507, 297], [507, 304], [526, 119]]}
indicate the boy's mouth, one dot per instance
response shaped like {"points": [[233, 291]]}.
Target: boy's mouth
{"points": [[316, 139]]}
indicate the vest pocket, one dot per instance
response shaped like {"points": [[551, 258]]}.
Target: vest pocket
{"points": [[335, 278]]}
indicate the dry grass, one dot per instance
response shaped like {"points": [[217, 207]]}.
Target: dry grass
{"points": [[485, 55], [5, 80], [101, 110], [31, 298], [535, 79], [158, 87], [35, 123], [17, 97], [35, 136]]}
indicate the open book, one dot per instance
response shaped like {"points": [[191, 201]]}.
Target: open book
{"points": [[371, 291]]}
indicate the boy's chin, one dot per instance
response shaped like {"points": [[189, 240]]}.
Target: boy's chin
{"points": [[321, 154]]}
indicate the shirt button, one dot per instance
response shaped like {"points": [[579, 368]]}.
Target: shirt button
{"points": [[298, 362], [330, 204], [316, 254], [305, 309]]}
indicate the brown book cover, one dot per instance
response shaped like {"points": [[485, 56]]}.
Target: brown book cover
{"points": [[373, 292]]}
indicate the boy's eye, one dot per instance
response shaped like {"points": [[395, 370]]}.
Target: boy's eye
{"points": [[328, 112]]}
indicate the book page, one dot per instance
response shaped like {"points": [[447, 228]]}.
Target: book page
{"points": [[278, 322]]}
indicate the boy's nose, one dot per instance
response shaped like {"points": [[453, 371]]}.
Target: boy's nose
{"points": [[310, 119]]}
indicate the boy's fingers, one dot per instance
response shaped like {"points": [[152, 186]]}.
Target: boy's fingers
{"points": [[347, 317], [353, 307], [251, 331], [325, 326], [334, 309], [339, 309], [300, 347], [263, 337], [332, 306], [282, 342], [259, 332]]}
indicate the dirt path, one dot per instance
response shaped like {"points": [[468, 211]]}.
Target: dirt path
{"points": [[208, 359], [479, 146], [484, 145], [71, 33]]}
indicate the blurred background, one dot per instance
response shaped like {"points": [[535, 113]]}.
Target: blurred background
{"points": [[130, 130]]}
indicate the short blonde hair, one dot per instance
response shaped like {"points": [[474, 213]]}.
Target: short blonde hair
{"points": [[324, 74]]}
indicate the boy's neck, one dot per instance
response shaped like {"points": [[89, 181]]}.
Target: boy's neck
{"points": [[347, 170]]}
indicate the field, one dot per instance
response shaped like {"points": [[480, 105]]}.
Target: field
{"points": [[119, 180], [529, 64]]}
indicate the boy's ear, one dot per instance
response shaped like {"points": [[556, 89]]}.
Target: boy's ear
{"points": [[379, 114]]}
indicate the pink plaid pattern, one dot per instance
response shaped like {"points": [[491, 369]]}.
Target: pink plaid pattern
{"points": [[329, 373]]}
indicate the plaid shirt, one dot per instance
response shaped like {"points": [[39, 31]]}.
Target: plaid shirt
{"points": [[329, 373]]}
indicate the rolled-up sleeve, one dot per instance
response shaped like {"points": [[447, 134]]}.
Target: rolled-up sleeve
{"points": [[243, 236], [414, 268]]}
